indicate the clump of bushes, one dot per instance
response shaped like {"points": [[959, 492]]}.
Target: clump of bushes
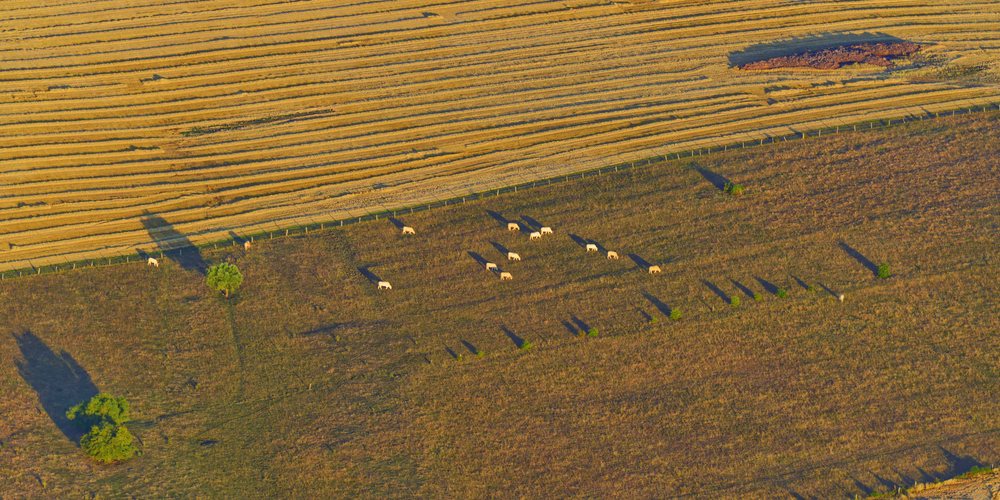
{"points": [[592, 332], [884, 271], [781, 293], [733, 189], [758, 297], [735, 301], [103, 418], [675, 314]]}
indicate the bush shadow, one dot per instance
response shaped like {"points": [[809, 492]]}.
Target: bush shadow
{"points": [[58, 379], [174, 244], [739, 286], [518, 341], [800, 282], [856, 255], [470, 347], [722, 295], [715, 179], [660, 306], [768, 286]]}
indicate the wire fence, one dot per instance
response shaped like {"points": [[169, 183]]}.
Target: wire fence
{"points": [[488, 193]]}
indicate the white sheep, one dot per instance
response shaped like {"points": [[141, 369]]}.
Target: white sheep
{"points": [[384, 285], [546, 230], [152, 262], [491, 266], [535, 236], [654, 269], [591, 247], [513, 226], [246, 245], [612, 255], [506, 276], [840, 297], [513, 256], [408, 230]]}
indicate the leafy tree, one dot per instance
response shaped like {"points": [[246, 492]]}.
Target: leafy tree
{"points": [[224, 277], [104, 417]]}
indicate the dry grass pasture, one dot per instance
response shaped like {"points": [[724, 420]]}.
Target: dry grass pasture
{"points": [[219, 116], [311, 383]]}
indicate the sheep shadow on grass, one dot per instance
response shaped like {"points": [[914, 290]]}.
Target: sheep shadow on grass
{"points": [[372, 277]]}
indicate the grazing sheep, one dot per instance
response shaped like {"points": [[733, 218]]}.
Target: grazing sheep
{"points": [[591, 247], [384, 285], [506, 276], [654, 269], [546, 230], [612, 255], [840, 297], [491, 266], [246, 246], [153, 262], [513, 226], [513, 256], [408, 230], [535, 236]]}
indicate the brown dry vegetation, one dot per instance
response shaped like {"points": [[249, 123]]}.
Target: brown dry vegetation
{"points": [[313, 384], [230, 115]]}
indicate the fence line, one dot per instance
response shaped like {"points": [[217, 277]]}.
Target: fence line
{"points": [[493, 192]]}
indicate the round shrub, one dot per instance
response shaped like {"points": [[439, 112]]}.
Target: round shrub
{"points": [[735, 301], [675, 314], [781, 293], [884, 271], [758, 297], [108, 443]]}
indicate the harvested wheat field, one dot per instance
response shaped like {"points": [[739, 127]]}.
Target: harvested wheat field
{"points": [[122, 125], [312, 383]]}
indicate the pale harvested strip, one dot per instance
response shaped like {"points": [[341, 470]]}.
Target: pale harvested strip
{"points": [[417, 97]]}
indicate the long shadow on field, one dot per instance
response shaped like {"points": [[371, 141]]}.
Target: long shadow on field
{"points": [[500, 248], [722, 295], [57, 379], [518, 341], [578, 240], [959, 465], [660, 306], [534, 224], [801, 283], [717, 180], [174, 244], [639, 261], [396, 222], [570, 328], [828, 290], [856, 255], [582, 325], [453, 354], [739, 286], [470, 347], [478, 258], [797, 45], [887, 484], [768, 286], [369, 275], [499, 218]]}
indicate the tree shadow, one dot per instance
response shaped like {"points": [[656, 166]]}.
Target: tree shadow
{"points": [[927, 477], [499, 218], [639, 261], [470, 347], [660, 306], [58, 379], [739, 286], [722, 295], [768, 286], [500, 248], [578, 240], [372, 277], [907, 480], [886, 483], [180, 248], [800, 282], [518, 341], [717, 180], [866, 490], [959, 465], [797, 45], [530, 222], [860, 258]]}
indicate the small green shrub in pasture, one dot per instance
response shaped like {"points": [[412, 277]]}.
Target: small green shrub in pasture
{"points": [[733, 189], [811, 288], [735, 301], [675, 314], [592, 332], [224, 277], [758, 297], [525, 346], [480, 353], [781, 293], [654, 320], [458, 357], [884, 271]]}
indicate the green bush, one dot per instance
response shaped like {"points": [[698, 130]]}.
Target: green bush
{"points": [[758, 297], [883, 271], [104, 416], [224, 277], [675, 314], [526, 345], [654, 320], [480, 353], [781, 293], [458, 357], [811, 288], [976, 470], [735, 301], [592, 332], [733, 189]]}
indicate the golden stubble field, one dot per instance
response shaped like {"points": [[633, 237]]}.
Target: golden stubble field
{"points": [[242, 116], [311, 383]]}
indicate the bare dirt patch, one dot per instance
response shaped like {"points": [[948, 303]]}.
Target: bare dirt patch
{"points": [[877, 54]]}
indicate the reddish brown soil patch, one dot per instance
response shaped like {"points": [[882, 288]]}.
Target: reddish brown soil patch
{"points": [[833, 58]]}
